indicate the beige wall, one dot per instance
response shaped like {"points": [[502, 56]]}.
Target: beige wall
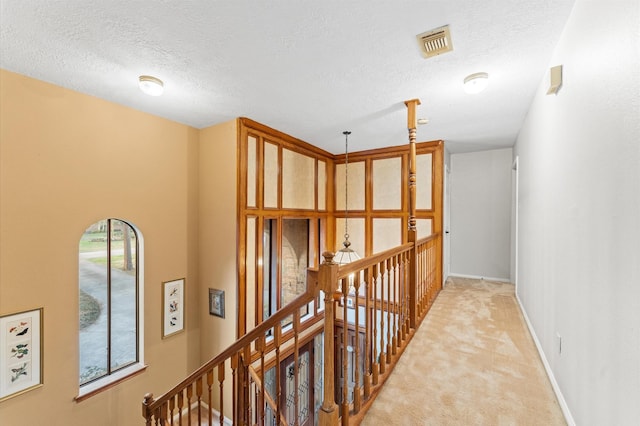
{"points": [[68, 160], [480, 213], [217, 245], [217, 240]]}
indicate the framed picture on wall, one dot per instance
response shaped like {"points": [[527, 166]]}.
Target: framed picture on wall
{"points": [[20, 352], [172, 307], [216, 302]]}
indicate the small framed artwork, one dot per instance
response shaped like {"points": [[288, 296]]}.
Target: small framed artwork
{"points": [[216, 302], [21, 351], [172, 307]]}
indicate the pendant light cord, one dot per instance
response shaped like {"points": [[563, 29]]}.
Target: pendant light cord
{"points": [[346, 134]]}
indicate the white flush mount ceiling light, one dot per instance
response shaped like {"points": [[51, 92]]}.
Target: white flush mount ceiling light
{"points": [[152, 86], [476, 83]]}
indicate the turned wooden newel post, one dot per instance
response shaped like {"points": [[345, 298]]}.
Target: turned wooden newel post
{"points": [[148, 400], [413, 278], [411, 126], [412, 233], [328, 282]]}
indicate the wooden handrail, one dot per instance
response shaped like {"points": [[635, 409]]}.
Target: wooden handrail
{"points": [[392, 286], [350, 268], [153, 404], [396, 285]]}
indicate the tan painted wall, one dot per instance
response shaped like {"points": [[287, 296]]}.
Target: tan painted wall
{"points": [[217, 244], [217, 241], [68, 160]]}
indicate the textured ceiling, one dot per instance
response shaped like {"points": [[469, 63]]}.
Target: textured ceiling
{"points": [[308, 68]]}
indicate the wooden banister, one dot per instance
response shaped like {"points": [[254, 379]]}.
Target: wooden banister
{"points": [[328, 282], [393, 290], [239, 357], [381, 290], [242, 343]]}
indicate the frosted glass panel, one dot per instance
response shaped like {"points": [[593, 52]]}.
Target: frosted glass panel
{"points": [[423, 181], [423, 226], [322, 185], [356, 233], [387, 233], [387, 184], [271, 175], [251, 271], [298, 181], [251, 171], [356, 186]]}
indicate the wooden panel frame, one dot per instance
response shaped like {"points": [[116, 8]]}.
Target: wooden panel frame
{"points": [[436, 149], [265, 134], [326, 217]]}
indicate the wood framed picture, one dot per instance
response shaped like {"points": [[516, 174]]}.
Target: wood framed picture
{"points": [[172, 307], [216, 302], [21, 351]]}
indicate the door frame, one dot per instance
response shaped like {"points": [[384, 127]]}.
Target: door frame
{"points": [[515, 201], [446, 237]]}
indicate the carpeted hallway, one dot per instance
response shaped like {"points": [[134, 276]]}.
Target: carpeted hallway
{"points": [[471, 362]]}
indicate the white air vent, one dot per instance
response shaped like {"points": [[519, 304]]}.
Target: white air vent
{"points": [[435, 42]]}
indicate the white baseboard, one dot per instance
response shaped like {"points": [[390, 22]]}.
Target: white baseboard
{"points": [[479, 277], [554, 384]]}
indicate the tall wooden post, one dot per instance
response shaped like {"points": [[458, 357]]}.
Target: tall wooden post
{"points": [[328, 282], [412, 236]]}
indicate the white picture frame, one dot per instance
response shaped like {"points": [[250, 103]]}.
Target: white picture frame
{"points": [[21, 356], [173, 307]]}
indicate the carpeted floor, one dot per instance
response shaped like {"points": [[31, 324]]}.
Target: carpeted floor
{"points": [[471, 362]]}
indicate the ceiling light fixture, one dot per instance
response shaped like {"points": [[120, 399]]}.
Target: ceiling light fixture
{"points": [[152, 86], [476, 83], [346, 254]]}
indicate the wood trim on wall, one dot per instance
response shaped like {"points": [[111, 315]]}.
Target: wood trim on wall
{"points": [[265, 134], [327, 239], [436, 149]]}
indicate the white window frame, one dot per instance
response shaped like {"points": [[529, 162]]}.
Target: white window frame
{"points": [[92, 388]]}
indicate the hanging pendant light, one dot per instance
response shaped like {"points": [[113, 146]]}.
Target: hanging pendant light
{"points": [[346, 254]]}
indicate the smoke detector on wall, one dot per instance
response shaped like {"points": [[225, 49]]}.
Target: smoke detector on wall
{"points": [[435, 42]]}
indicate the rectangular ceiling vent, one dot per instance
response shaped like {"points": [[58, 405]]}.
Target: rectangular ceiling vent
{"points": [[435, 42]]}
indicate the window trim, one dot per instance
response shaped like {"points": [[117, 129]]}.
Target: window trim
{"points": [[104, 383], [119, 375]]}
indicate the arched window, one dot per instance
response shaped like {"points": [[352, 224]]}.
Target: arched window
{"points": [[110, 302]]}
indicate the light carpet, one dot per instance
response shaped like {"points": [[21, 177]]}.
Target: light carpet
{"points": [[471, 362]]}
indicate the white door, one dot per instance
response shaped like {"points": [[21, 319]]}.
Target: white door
{"points": [[446, 241]]}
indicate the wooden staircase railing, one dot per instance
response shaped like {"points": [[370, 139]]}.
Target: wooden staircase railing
{"points": [[372, 308], [206, 387], [368, 309], [368, 305]]}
